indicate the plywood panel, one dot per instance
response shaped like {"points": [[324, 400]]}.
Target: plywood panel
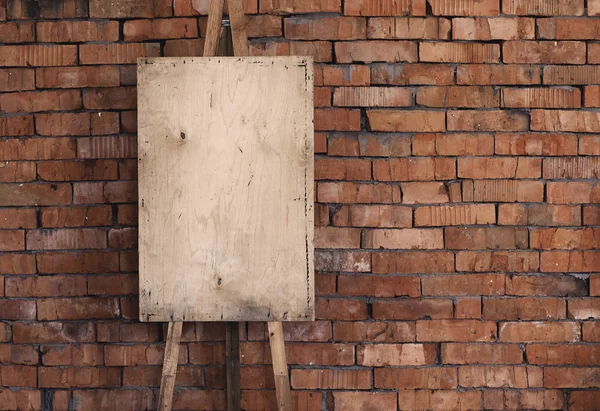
{"points": [[226, 189]]}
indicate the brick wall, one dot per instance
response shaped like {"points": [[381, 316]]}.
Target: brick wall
{"points": [[456, 184]]}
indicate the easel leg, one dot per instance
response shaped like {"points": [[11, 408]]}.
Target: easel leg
{"points": [[280, 370], [167, 382], [232, 353]]}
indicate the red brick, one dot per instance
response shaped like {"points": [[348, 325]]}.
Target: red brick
{"points": [[374, 331], [502, 191], [17, 172], [548, 52], [116, 53], [184, 48], [347, 192], [76, 31], [411, 239], [325, 28], [18, 218], [38, 55], [17, 79], [77, 262], [535, 144], [376, 50], [20, 9], [376, 8], [84, 377], [17, 32], [82, 355], [563, 354], [46, 286], [18, 309], [77, 308], [338, 309], [349, 261], [66, 239], [522, 399], [338, 169], [540, 332], [563, 377], [411, 378], [17, 264], [373, 216], [34, 101], [414, 169], [129, 8], [500, 376], [54, 332], [412, 309], [378, 286], [16, 126], [455, 215], [499, 167], [497, 261], [453, 144], [379, 355], [332, 237], [337, 119], [398, 120], [300, 7], [456, 330], [405, 74], [424, 193], [545, 285], [356, 401], [72, 77], [343, 75], [110, 98], [35, 194], [453, 353], [412, 262], [372, 97], [331, 379], [63, 124], [200, 7], [493, 120], [320, 50], [463, 284], [388, 146], [264, 25], [592, 55], [591, 331], [438, 400], [523, 308], [583, 309], [76, 216], [459, 52], [572, 192], [563, 238], [458, 97], [583, 75], [141, 30], [408, 28], [127, 400], [107, 147], [542, 8], [77, 170], [502, 28], [541, 97], [494, 74]]}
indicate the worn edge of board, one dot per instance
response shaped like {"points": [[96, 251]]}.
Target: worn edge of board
{"points": [[305, 62]]}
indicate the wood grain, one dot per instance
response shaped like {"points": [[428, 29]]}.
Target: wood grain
{"points": [[225, 148], [167, 382]]}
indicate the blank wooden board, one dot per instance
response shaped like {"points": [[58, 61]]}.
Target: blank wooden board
{"points": [[225, 164]]}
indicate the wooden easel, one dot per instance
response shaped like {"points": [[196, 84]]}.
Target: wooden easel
{"points": [[232, 337]]}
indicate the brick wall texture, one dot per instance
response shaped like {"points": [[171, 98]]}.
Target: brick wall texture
{"points": [[457, 217]]}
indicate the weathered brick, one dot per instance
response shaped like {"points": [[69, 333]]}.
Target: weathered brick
{"points": [[566, 377], [438, 400], [405, 74], [373, 216], [76, 31], [543, 8], [458, 97], [38, 55], [376, 50], [572, 75], [35, 101], [571, 168], [550, 52], [355, 401], [398, 120], [499, 167], [412, 262], [494, 74], [501, 28], [116, 53], [463, 284], [384, 8], [379, 355], [371, 97], [331, 379], [575, 192], [506, 191], [497, 261], [17, 79], [455, 215], [129, 8], [459, 52], [500, 376], [536, 144], [408, 28], [412, 309], [140, 30], [541, 98], [514, 400], [378, 286], [493, 120], [540, 332], [413, 378], [465, 8], [325, 28], [453, 353]]}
